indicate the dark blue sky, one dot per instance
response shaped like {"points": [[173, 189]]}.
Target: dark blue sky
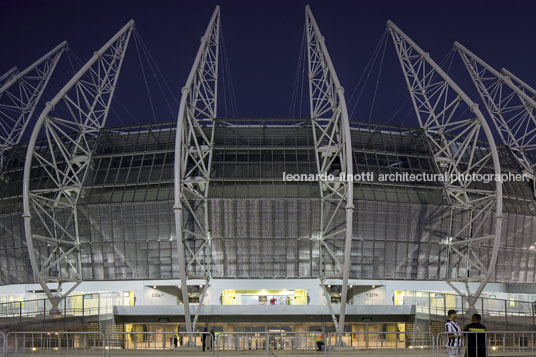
{"points": [[263, 40]]}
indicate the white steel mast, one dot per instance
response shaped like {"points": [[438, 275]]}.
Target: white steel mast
{"points": [[50, 205], [453, 124], [194, 144], [333, 151]]}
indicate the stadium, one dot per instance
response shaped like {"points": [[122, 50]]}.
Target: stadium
{"points": [[126, 235]]}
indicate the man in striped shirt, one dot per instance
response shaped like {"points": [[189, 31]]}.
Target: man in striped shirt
{"points": [[454, 336]]}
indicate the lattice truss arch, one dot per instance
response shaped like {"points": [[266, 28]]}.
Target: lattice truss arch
{"points": [[333, 151], [453, 125], [19, 95], [510, 107], [68, 125], [193, 160], [330, 143]]}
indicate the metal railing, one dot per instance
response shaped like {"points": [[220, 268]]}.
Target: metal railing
{"points": [[380, 343], [150, 343], [490, 343], [496, 343], [54, 343], [271, 343], [500, 312], [74, 305], [2, 343]]}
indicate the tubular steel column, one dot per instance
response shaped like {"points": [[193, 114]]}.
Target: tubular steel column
{"points": [[68, 127], [193, 159], [453, 125], [333, 148]]}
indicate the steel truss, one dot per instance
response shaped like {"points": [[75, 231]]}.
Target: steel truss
{"points": [[529, 91], [7, 76], [510, 106], [69, 125], [453, 125], [333, 152], [193, 159], [19, 95], [524, 87]]}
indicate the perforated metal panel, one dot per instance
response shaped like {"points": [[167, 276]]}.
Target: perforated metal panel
{"points": [[267, 238], [263, 237], [14, 261], [261, 226]]}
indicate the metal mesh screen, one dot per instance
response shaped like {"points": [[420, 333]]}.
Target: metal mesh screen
{"points": [[271, 238], [263, 237], [14, 262], [262, 226]]}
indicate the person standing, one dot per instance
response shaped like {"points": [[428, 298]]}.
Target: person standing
{"points": [[318, 337], [204, 338], [476, 337], [134, 338], [454, 336], [177, 339], [212, 337]]}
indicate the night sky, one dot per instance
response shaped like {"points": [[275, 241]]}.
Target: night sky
{"points": [[262, 40]]}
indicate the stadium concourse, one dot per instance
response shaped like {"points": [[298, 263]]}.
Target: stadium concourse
{"points": [[189, 235]]}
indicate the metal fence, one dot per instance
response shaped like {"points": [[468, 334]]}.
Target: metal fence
{"points": [[502, 314], [80, 305], [477, 344], [271, 343], [380, 344], [482, 344], [2, 343], [54, 343], [159, 343]]}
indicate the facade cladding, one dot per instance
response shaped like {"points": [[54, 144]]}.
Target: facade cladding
{"points": [[261, 225]]}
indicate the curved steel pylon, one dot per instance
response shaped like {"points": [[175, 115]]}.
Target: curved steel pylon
{"points": [[333, 152], [193, 160], [68, 127], [19, 95], [509, 106], [453, 125]]}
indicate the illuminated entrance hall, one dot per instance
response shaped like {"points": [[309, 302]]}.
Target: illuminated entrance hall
{"points": [[193, 236], [264, 297]]}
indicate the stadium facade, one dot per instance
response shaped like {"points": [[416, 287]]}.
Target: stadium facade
{"points": [[144, 224]]}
